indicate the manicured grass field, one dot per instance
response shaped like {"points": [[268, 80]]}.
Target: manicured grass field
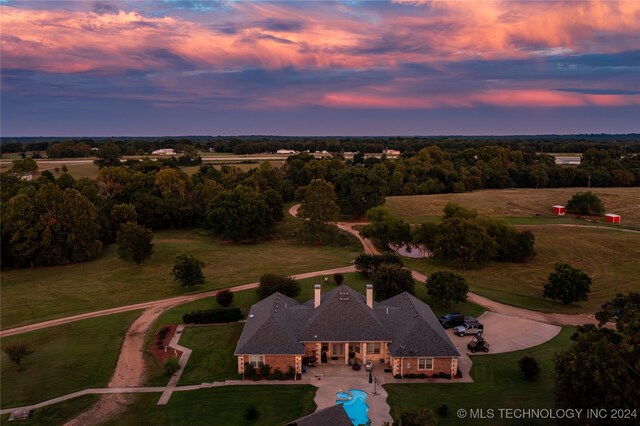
{"points": [[33, 295], [516, 203], [498, 383], [67, 358], [276, 405], [57, 414], [609, 257], [212, 357]]}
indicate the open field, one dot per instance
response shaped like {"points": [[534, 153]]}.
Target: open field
{"points": [[516, 203], [67, 359], [609, 257], [498, 383], [34, 295], [276, 405]]}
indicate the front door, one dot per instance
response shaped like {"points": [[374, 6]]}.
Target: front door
{"points": [[337, 350]]}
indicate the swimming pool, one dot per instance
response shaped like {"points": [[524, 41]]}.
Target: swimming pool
{"points": [[355, 406]]}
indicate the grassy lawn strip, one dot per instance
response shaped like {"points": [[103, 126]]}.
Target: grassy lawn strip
{"points": [[34, 295], [276, 405], [609, 257], [212, 357], [68, 358], [498, 384], [57, 414], [512, 203]]}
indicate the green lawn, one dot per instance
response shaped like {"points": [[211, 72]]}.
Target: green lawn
{"points": [[34, 295], [497, 384], [609, 257], [226, 406], [68, 358], [516, 203], [57, 414]]}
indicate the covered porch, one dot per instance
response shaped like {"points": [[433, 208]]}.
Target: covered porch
{"points": [[323, 354]]}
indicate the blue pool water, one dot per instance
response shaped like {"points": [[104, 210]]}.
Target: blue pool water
{"points": [[355, 406]]}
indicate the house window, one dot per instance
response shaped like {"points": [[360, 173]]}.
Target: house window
{"points": [[338, 349], [425, 363], [256, 360], [354, 347], [373, 348]]}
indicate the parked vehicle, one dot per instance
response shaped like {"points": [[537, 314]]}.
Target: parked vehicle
{"points": [[451, 320], [469, 327], [478, 344]]}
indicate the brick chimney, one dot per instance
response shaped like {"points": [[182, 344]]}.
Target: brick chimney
{"points": [[316, 295], [370, 295]]}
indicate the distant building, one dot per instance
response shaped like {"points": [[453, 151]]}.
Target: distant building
{"points": [[559, 210], [285, 151], [391, 152], [165, 151], [612, 218], [27, 177]]}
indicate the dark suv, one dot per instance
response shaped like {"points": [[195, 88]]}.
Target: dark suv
{"points": [[451, 320]]}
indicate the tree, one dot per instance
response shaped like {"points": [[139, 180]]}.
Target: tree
{"points": [[187, 270], [367, 264], [123, 213], [359, 189], [592, 373], [135, 243], [625, 311], [418, 417], [318, 206], [17, 352], [425, 234], [585, 203], [529, 367], [446, 286], [224, 298], [240, 214], [386, 229], [465, 241], [108, 155], [567, 284], [338, 278], [272, 283], [390, 280], [24, 167]]}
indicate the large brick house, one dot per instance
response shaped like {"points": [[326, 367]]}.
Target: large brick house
{"points": [[401, 332]]}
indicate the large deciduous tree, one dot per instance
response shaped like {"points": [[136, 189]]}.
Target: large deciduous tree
{"points": [[108, 155], [386, 229], [447, 286], [567, 284], [240, 214], [464, 241], [318, 206], [359, 189], [135, 243], [271, 283], [585, 203], [187, 269], [390, 280], [24, 166], [50, 227]]}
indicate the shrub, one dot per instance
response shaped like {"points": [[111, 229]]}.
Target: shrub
{"points": [[265, 370], [291, 372], [163, 333], [187, 269], [418, 417], [338, 278], [443, 410], [585, 203], [171, 366], [213, 316], [459, 374], [251, 412], [249, 370], [390, 280], [224, 298], [529, 367], [17, 352], [271, 283]]}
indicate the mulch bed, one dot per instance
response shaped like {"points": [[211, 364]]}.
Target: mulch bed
{"points": [[158, 347]]}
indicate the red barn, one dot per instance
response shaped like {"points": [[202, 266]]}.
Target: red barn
{"points": [[558, 210], [612, 218]]}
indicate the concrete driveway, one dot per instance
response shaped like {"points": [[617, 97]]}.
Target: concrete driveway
{"points": [[507, 334]]}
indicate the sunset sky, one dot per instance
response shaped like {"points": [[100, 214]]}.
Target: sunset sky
{"points": [[319, 68]]}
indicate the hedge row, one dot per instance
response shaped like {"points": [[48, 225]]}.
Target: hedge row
{"points": [[212, 316]]}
